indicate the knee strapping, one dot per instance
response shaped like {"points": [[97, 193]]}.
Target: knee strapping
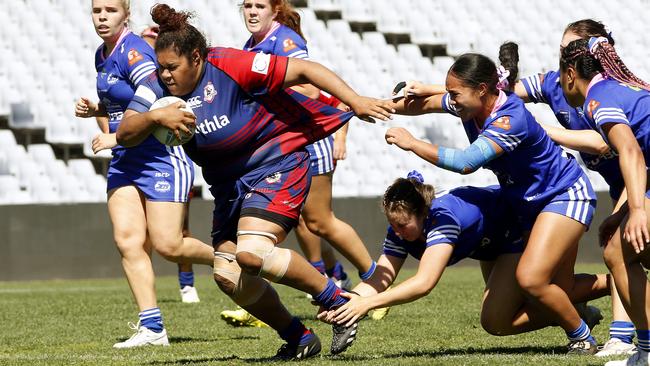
{"points": [[275, 261], [246, 289]]}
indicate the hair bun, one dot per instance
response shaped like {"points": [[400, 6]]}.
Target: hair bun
{"points": [[168, 18]]}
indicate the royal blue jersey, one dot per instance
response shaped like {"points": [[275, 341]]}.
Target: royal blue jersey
{"points": [[546, 88], [609, 101], [281, 41], [473, 220], [118, 76], [532, 168], [244, 116]]}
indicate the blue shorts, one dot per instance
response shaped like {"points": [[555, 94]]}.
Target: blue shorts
{"points": [[577, 202], [163, 174], [275, 191], [321, 156]]}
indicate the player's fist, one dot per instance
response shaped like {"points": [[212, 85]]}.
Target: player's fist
{"points": [[401, 137], [85, 108]]}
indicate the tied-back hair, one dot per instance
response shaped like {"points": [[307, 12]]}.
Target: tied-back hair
{"points": [[509, 59], [601, 57], [176, 31], [474, 69], [287, 15], [408, 196], [587, 28]]}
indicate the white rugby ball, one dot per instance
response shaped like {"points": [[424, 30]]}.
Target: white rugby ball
{"points": [[164, 134]]}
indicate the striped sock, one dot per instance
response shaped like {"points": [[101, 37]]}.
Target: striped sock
{"points": [[643, 340], [186, 279], [369, 272], [152, 319], [330, 296], [319, 265], [622, 330], [582, 333]]}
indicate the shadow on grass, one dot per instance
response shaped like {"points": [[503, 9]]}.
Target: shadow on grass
{"points": [[413, 354]]}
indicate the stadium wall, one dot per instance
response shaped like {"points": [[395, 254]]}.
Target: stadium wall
{"points": [[75, 241]]}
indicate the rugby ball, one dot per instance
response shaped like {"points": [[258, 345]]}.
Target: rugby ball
{"points": [[164, 134]]}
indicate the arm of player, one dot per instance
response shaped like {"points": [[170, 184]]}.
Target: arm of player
{"points": [[466, 161], [521, 92], [587, 141], [633, 168], [432, 264], [136, 127], [303, 72], [86, 108]]}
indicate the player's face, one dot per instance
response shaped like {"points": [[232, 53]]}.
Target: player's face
{"points": [[109, 18], [406, 226], [259, 16], [571, 92], [466, 99], [179, 74]]}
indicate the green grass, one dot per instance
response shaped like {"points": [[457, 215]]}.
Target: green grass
{"points": [[76, 322]]}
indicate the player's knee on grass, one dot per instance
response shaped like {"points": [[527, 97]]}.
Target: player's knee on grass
{"points": [[493, 323]]}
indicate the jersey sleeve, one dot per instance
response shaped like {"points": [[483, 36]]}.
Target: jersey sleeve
{"points": [[291, 45], [393, 245], [506, 131], [146, 94], [535, 86], [447, 106], [256, 73], [140, 63], [604, 110], [446, 230]]}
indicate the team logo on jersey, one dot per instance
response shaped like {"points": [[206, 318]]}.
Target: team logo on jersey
{"points": [[162, 186], [194, 102], [502, 123], [112, 79], [273, 178], [288, 45], [134, 56], [593, 105], [209, 92], [261, 63]]}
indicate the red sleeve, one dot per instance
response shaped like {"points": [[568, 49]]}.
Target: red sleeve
{"points": [[256, 73], [329, 99]]}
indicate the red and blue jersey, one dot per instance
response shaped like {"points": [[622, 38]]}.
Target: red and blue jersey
{"points": [[281, 41], [244, 116], [474, 220], [546, 88], [119, 74], [532, 168], [609, 101]]}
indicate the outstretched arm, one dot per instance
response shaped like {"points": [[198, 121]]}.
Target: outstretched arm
{"points": [[587, 141]]}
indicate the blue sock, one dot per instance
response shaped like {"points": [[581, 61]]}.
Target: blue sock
{"points": [[186, 279], [622, 330], [337, 272], [152, 319], [582, 333], [330, 296], [643, 340], [368, 274], [296, 333], [319, 265]]}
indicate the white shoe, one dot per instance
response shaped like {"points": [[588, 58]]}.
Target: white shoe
{"points": [[143, 337], [615, 347], [640, 358], [189, 294]]}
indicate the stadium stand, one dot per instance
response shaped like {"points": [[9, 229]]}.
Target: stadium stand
{"points": [[45, 153]]}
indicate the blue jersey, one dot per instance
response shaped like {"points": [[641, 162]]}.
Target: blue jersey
{"points": [[471, 219], [281, 41], [609, 101], [118, 75], [532, 168], [546, 88], [244, 116]]}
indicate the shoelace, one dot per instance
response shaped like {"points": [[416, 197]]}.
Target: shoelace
{"points": [[135, 328]]}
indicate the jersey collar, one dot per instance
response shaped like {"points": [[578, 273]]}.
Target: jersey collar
{"points": [[595, 80], [124, 33], [250, 44]]}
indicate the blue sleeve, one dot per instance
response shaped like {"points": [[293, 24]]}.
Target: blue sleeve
{"points": [[506, 131], [140, 62], [447, 106], [445, 230], [146, 94], [393, 245], [537, 86], [290, 44], [605, 110]]}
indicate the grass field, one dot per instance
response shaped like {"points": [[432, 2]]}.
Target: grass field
{"points": [[76, 322]]}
